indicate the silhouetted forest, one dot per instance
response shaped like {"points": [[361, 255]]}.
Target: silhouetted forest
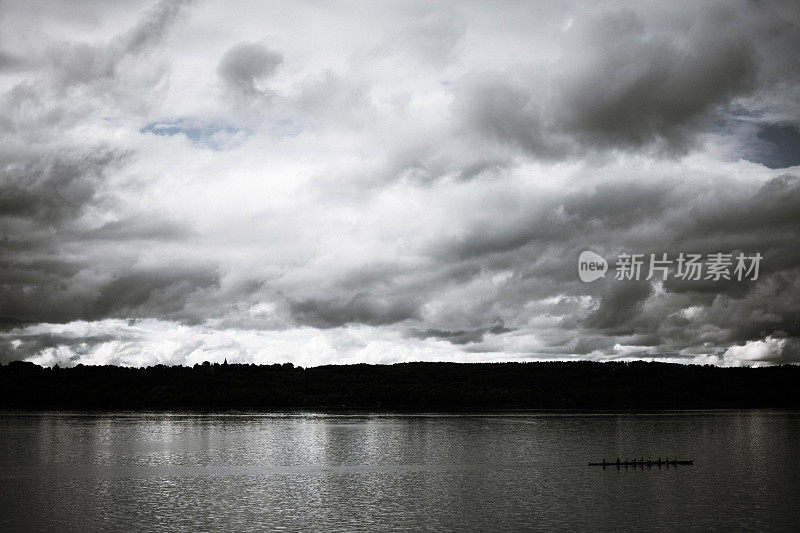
{"points": [[408, 386]]}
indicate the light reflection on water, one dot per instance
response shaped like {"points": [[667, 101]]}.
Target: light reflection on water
{"points": [[487, 471]]}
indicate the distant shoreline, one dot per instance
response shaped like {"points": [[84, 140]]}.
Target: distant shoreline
{"points": [[403, 387]]}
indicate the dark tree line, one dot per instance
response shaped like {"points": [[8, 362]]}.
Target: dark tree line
{"points": [[407, 386]]}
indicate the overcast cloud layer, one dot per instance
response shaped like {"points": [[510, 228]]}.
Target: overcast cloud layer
{"points": [[340, 182]]}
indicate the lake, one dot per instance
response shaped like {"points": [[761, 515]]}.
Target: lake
{"points": [[508, 471]]}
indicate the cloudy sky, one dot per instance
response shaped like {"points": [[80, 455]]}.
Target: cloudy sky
{"points": [[340, 182]]}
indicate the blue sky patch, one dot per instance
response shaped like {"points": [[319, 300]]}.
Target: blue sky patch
{"points": [[204, 135]]}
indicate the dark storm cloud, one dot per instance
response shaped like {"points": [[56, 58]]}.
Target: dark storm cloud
{"points": [[461, 336], [568, 216], [541, 243], [505, 110], [587, 344], [685, 219], [53, 188], [245, 65], [621, 205], [59, 293], [619, 305], [42, 200], [623, 82], [625, 87], [153, 293], [42, 204], [357, 309], [481, 241], [766, 220]]}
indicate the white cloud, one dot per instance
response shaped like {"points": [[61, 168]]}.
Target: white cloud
{"points": [[758, 352]]}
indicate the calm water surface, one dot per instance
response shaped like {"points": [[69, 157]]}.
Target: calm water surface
{"points": [[332, 472]]}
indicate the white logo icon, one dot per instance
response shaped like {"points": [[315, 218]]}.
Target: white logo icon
{"points": [[591, 266]]}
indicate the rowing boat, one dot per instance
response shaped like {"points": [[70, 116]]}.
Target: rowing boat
{"points": [[643, 463]]}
